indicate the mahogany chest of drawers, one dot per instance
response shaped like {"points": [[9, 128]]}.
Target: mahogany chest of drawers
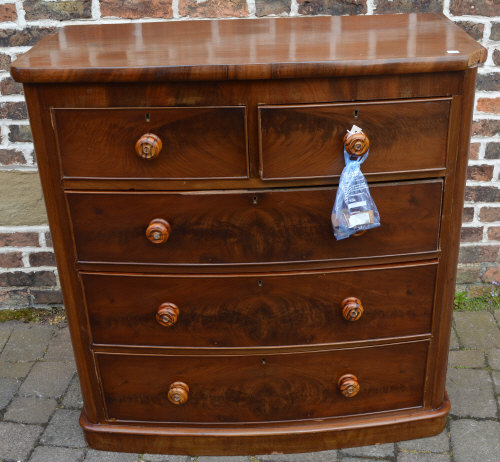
{"points": [[189, 172]]}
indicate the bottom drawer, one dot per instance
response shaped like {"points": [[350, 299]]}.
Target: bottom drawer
{"points": [[264, 387]]}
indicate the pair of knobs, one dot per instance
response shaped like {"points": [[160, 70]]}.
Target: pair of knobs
{"points": [[167, 313], [348, 385], [149, 145]]}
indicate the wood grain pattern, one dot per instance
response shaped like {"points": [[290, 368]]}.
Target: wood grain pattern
{"points": [[220, 50], [306, 141], [198, 142], [260, 388]]}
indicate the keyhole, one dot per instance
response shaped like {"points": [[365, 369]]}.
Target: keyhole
{"points": [[147, 116], [356, 113], [259, 283], [263, 361], [255, 200]]}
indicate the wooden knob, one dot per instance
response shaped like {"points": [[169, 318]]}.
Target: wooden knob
{"points": [[356, 144], [167, 314], [352, 309], [158, 231], [178, 393], [348, 385], [148, 146]]}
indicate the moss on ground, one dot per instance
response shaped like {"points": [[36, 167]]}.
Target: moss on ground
{"points": [[50, 316], [488, 300]]}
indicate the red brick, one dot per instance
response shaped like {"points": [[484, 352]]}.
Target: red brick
{"points": [[474, 7], [489, 214], [471, 234], [19, 239], [11, 260], [20, 133], [468, 214], [8, 12], [488, 82], [32, 279], [134, 9], [11, 157], [477, 291], [486, 127], [468, 274], [492, 151], [408, 6], [48, 239], [42, 259], [23, 37], [9, 86], [267, 7], [491, 105], [10, 298], [474, 29], [478, 254], [494, 233], [46, 297], [333, 7], [492, 274], [482, 194], [58, 10], [480, 172], [474, 151], [4, 61], [496, 56], [16, 110], [213, 8], [495, 31]]}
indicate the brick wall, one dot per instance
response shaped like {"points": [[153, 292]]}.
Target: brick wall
{"points": [[28, 276]]}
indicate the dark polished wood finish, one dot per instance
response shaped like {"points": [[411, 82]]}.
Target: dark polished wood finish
{"points": [[189, 175]]}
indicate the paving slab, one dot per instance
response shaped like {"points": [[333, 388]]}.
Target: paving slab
{"points": [[364, 459], [477, 329], [17, 440], [454, 345], [5, 331], [475, 441], [73, 397], [496, 380], [471, 393], [48, 379], [423, 457], [60, 348], [165, 458], [54, 454], [222, 459], [30, 410], [64, 430], [377, 450], [496, 313], [320, 456], [467, 358], [14, 370], [438, 443], [104, 456], [494, 358], [27, 342], [8, 388]]}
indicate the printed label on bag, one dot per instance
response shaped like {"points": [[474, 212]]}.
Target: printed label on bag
{"points": [[354, 205], [359, 219]]}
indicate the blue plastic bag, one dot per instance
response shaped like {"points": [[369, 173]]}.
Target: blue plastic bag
{"points": [[354, 209]]}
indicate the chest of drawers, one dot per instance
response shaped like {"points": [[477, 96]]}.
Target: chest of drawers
{"points": [[189, 171]]}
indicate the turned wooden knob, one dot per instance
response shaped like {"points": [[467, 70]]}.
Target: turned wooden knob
{"points": [[352, 309], [167, 314], [348, 385], [356, 144], [148, 146], [158, 231], [178, 393]]}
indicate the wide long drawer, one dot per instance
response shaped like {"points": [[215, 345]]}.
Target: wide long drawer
{"points": [[262, 387], [248, 227], [261, 309]]}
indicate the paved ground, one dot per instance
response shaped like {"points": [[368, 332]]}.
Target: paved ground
{"points": [[40, 401]]}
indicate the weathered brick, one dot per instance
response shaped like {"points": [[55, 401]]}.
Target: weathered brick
{"points": [[478, 253], [495, 31], [488, 82], [468, 214], [476, 7], [48, 239], [480, 172], [4, 61], [486, 127], [60, 10], [474, 151], [491, 274], [408, 6], [333, 7], [14, 298], [492, 151], [494, 233], [11, 157], [9, 86], [16, 110], [267, 7], [482, 194], [469, 359], [22, 133], [8, 12], [46, 297], [32, 279], [468, 274], [11, 260], [474, 29], [133, 9], [471, 234], [213, 8], [496, 56], [42, 259], [20, 239], [23, 37], [491, 105]]}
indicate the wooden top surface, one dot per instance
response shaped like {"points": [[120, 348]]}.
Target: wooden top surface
{"points": [[238, 49]]}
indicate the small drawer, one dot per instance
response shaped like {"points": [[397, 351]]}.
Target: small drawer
{"points": [[264, 387], [196, 142], [227, 228], [306, 141], [260, 310]]}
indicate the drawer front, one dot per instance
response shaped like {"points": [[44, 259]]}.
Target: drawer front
{"points": [[197, 142], [263, 387], [260, 310], [249, 227], [305, 141]]}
